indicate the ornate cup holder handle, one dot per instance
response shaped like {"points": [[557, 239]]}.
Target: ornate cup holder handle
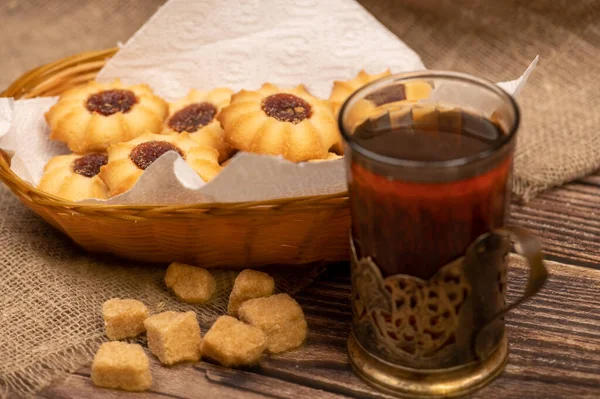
{"points": [[530, 248]]}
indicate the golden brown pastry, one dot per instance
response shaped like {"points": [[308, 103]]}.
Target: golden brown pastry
{"points": [[127, 161], [373, 104], [75, 177], [95, 115], [287, 122], [196, 114], [332, 156], [344, 89]]}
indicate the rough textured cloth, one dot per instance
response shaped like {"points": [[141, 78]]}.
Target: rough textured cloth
{"points": [[558, 139], [496, 40], [51, 292]]}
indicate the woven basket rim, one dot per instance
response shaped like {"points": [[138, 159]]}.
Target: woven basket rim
{"points": [[26, 190]]}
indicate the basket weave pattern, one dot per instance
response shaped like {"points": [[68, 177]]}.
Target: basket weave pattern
{"points": [[249, 234]]}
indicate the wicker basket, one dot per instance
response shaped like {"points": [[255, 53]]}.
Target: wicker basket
{"points": [[290, 231]]}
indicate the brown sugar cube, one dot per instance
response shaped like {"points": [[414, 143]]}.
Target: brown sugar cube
{"points": [[121, 365], [174, 336], [124, 318], [233, 343], [281, 319], [190, 284], [249, 284]]}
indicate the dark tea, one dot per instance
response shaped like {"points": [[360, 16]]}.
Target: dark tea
{"points": [[414, 225]]}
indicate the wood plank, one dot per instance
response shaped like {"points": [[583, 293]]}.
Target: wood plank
{"points": [[567, 220], [592, 180], [251, 382], [555, 349], [76, 386], [555, 342], [554, 339], [338, 378], [179, 381], [529, 388]]}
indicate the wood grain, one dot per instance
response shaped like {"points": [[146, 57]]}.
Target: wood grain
{"points": [[554, 339], [567, 220], [554, 344]]}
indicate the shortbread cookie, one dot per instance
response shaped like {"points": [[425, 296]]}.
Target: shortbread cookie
{"points": [[287, 122], [196, 114], [75, 177], [344, 89], [95, 115], [127, 161], [332, 156], [388, 97]]}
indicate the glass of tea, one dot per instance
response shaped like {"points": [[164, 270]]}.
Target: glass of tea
{"points": [[429, 159]]}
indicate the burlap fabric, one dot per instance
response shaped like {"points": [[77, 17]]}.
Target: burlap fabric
{"points": [[558, 139], [51, 292], [493, 39]]}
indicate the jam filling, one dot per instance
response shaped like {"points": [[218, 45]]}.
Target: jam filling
{"points": [[89, 165], [192, 117], [110, 102], [143, 155], [286, 108]]}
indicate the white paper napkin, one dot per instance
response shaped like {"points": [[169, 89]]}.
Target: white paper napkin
{"points": [[213, 43], [243, 44]]}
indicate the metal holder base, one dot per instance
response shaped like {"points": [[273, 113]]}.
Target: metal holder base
{"points": [[414, 383]]}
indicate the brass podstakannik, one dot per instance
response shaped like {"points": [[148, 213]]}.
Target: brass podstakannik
{"points": [[438, 338]]}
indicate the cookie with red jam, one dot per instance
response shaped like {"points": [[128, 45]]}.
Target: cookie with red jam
{"points": [[127, 161], [342, 89], [75, 177], [91, 117], [379, 100], [287, 122], [196, 114]]}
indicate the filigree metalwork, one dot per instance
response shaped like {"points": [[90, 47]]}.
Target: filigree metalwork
{"points": [[431, 324]]}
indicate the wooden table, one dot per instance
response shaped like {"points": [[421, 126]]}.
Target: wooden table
{"points": [[554, 339]]}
